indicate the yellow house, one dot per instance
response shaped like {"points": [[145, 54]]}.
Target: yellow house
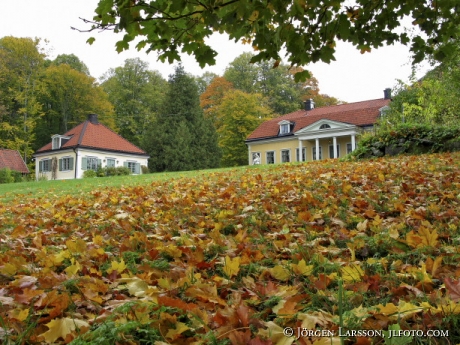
{"points": [[314, 133]]}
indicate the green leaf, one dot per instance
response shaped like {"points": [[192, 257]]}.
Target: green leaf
{"points": [[90, 40]]}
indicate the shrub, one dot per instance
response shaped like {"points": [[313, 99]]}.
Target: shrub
{"points": [[145, 169], [6, 176], [89, 173]]}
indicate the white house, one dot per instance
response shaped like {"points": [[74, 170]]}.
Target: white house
{"points": [[88, 146]]}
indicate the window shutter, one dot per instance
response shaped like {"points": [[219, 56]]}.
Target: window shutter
{"points": [[40, 166], [137, 168], [71, 163], [84, 163], [60, 164]]}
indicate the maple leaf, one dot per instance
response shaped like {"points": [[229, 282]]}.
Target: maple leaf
{"points": [[65, 328], [276, 334], [174, 333], [231, 266], [352, 273], [281, 273], [454, 289]]}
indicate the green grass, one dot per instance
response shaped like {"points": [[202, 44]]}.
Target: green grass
{"points": [[39, 189]]}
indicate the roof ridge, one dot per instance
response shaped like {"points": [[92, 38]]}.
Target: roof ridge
{"points": [[82, 133]]}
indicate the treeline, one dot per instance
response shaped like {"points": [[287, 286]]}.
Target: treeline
{"points": [[184, 123]]}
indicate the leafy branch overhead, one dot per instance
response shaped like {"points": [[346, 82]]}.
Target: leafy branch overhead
{"points": [[306, 30]]}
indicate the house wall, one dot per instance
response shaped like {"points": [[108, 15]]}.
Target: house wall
{"points": [[120, 158], [292, 145]]}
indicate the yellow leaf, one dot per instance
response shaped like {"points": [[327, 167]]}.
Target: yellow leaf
{"points": [[302, 268], [381, 177], [276, 334], [436, 264], [180, 328], [428, 238], [387, 310], [8, 269], [328, 341], [232, 266], [281, 273], [352, 273], [18, 314], [61, 328], [136, 286], [173, 251], [117, 266], [74, 268]]}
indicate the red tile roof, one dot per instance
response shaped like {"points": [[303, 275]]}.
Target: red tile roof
{"points": [[359, 114], [92, 134], [12, 159]]}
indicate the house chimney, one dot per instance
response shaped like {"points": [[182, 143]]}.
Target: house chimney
{"points": [[309, 104], [387, 93], [93, 119]]}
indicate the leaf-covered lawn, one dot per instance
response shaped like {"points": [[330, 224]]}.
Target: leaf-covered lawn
{"points": [[217, 259]]}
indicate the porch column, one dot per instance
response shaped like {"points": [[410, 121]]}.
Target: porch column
{"points": [[334, 143], [300, 151], [317, 148], [249, 155], [353, 142]]}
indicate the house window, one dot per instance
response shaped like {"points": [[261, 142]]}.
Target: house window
{"points": [[66, 164], [44, 165], [56, 143], [133, 166], [324, 126], [314, 153], [304, 154], [284, 128], [285, 156], [110, 162], [90, 163], [331, 151], [256, 158], [271, 157], [349, 149]]}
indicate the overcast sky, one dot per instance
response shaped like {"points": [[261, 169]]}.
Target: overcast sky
{"points": [[352, 77]]}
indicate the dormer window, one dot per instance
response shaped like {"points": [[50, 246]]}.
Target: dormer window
{"points": [[58, 141], [324, 126], [285, 127]]}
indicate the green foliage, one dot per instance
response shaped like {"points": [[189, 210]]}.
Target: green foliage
{"points": [[241, 113], [411, 138], [181, 138], [6, 176], [136, 93], [89, 174], [304, 33], [73, 61]]}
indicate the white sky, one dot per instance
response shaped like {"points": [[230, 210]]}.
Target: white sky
{"points": [[352, 77]]}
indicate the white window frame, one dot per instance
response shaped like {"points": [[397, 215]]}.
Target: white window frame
{"points": [[304, 154], [266, 157], [65, 163], [285, 128], [349, 148], [314, 153], [42, 165], [288, 155], [111, 160], [331, 146]]}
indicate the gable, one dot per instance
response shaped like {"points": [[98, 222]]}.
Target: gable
{"points": [[12, 160], [323, 126]]}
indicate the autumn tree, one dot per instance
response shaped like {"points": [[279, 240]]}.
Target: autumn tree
{"points": [[212, 97], [73, 61], [241, 113], [21, 63], [302, 31], [181, 138], [137, 94], [68, 96]]}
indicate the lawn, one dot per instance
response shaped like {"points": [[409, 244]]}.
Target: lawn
{"points": [[328, 252]]}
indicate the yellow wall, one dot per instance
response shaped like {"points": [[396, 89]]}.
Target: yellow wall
{"points": [[292, 145]]}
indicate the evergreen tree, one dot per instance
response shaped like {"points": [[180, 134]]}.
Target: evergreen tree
{"points": [[181, 138]]}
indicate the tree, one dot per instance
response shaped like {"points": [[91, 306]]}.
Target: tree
{"points": [[212, 97], [68, 96], [204, 80], [241, 113], [181, 138], [306, 31], [137, 94], [73, 61], [21, 63]]}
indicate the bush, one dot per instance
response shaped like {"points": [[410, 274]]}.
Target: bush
{"points": [[89, 174], [6, 176], [145, 169]]}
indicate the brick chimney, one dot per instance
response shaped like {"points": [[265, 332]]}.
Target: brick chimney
{"points": [[387, 93], [309, 104], [93, 119]]}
